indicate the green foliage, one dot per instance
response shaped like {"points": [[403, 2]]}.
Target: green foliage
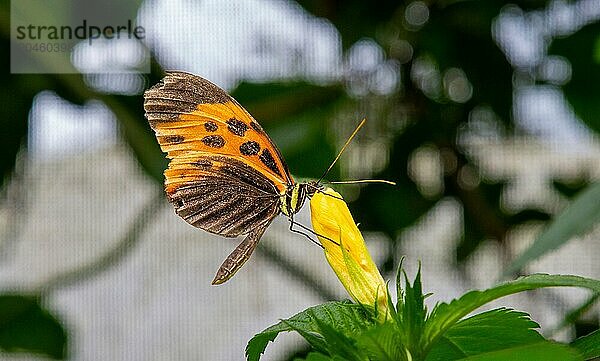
{"points": [[588, 345], [25, 326], [485, 332], [445, 315], [343, 16], [345, 331], [315, 356], [578, 218], [413, 312], [338, 344], [347, 317], [381, 343], [541, 351]]}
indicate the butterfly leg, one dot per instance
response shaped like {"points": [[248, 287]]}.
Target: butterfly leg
{"points": [[239, 256], [292, 223]]}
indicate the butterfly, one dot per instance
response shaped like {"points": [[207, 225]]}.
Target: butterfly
{"points": [[225, 175]]}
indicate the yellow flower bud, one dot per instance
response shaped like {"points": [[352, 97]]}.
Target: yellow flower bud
{"points": [[349, 258]]}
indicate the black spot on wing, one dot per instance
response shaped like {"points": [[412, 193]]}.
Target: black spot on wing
{"points": [[211, 126], [173, 139], [250, 148], [267, 159], [214, 141], [237, 127]]}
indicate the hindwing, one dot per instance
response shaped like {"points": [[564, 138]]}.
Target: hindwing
{"points": [[220, 194]]}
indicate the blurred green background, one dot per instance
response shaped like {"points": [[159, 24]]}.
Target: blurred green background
{"points": [[484, 113]]}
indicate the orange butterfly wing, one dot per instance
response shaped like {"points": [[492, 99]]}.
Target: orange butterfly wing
{"points": [[225, 175], [191, 116]]}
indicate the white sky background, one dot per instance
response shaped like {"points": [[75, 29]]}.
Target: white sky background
{"points": [[227, 42]]}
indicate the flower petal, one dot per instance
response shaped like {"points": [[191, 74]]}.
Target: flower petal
{"points": [[347, 254]]}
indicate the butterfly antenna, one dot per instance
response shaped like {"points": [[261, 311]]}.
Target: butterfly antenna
{"points": [[343, 149], [363, 181]]}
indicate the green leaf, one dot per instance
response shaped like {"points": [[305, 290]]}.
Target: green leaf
{"points": [[339, 345], [382, 343], [391, 308], [26, 327], [414, 312], [314, 339], [578, 218], [542, 351], [316, 356], [399, 293], [445, 315], [485, 332], [346, 317], [588, 345]]}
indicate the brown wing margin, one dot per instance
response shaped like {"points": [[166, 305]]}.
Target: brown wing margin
{"points": [[180, 93]]}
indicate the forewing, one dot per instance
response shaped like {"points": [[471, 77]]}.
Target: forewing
{"points": [[191, 114]]}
